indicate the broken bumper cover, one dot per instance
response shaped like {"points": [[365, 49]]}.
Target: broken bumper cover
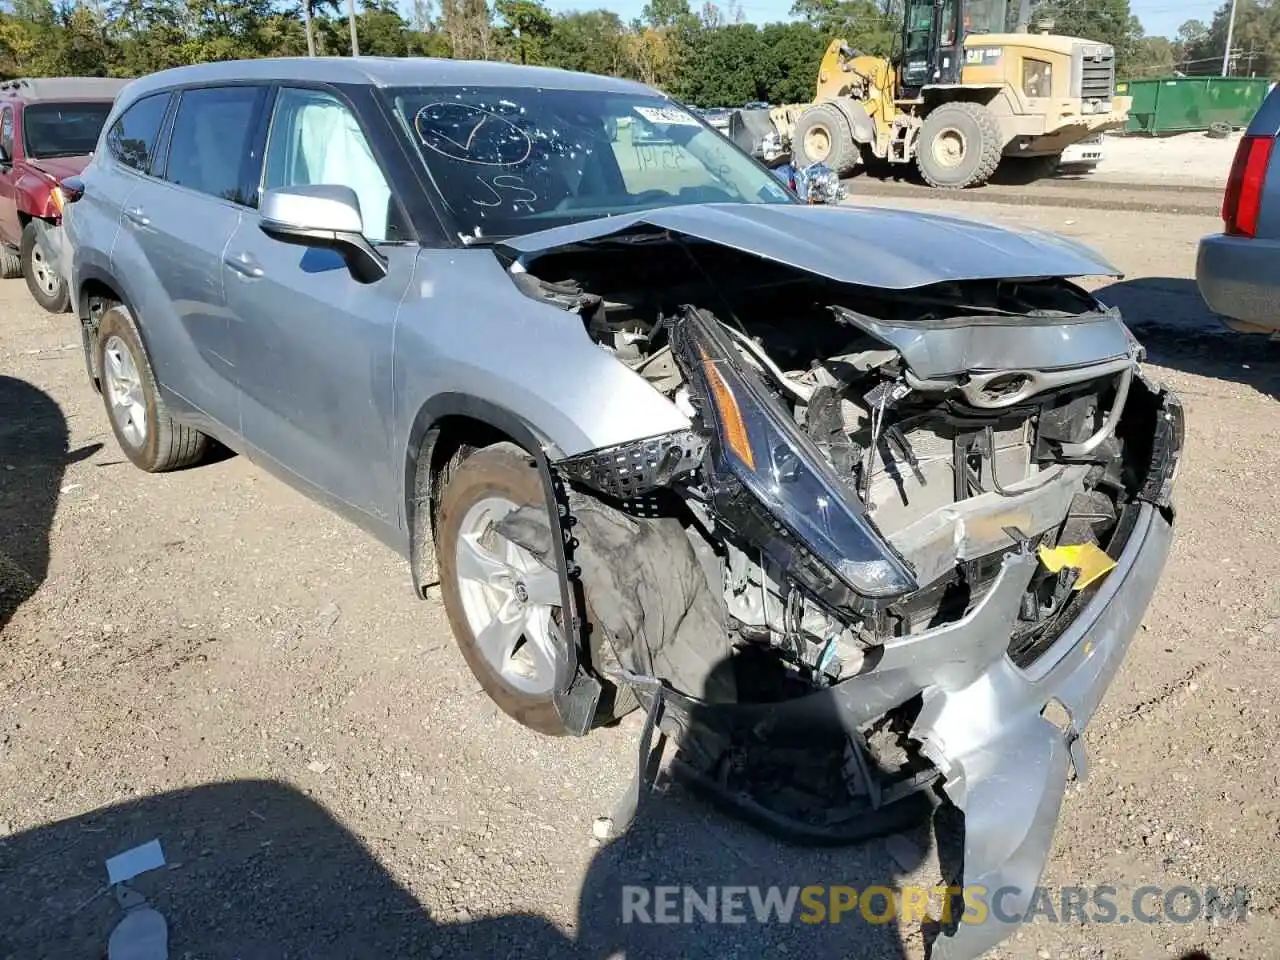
{"points": [[1005, 765]]}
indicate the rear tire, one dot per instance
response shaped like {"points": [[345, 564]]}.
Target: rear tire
{"points": [[960, 146], [822, 135], [47, 288], [151, 439]]}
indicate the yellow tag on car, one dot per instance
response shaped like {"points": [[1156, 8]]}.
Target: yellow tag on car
{"points": [[1088, 558]]}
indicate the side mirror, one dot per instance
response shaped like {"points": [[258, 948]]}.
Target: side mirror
{"points": [[70, 189], [323, 215]]}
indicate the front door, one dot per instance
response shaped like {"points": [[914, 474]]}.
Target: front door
{"points": [[313, 346]]}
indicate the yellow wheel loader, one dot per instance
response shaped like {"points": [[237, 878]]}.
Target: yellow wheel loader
{"points": [[960, 97]]}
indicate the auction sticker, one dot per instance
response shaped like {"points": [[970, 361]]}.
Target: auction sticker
{"points": [[668, 115]]}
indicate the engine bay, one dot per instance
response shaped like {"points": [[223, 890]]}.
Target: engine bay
{"points": [[952, 467]]}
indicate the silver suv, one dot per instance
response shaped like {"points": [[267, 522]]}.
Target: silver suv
{"points": [[883, 487]]}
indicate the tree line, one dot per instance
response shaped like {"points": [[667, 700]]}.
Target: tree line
{"points": [[709, 56]]}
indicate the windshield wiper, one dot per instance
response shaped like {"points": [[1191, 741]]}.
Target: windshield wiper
{"points": [[470, 240]]}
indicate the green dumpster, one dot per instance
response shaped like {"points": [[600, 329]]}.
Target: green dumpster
{"points": [[1178, 104]]}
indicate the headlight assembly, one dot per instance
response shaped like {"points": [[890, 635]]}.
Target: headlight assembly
{"points": [[758, 444]]}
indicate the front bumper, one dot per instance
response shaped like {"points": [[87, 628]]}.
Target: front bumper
{"points": [[982, 724], [1005, 765], [1062, 131], [1236, 277]]}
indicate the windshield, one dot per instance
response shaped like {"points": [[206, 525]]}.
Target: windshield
{"points": [[515, 160], [984, 16], [62, 129]]}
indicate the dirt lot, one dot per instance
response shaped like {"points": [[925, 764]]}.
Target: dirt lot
{"points": [[208, 659]]}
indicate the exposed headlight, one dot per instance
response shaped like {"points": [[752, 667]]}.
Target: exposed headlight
{"points": [[1037, 78], [759, 445]]}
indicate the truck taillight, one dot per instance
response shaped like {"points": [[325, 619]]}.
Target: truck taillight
{"points": [[1243, 199]]}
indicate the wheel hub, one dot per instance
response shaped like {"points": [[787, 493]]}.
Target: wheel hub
{"points": [[949, 147], [817, 144], [511, 600], [45, 277], [124, 390]]}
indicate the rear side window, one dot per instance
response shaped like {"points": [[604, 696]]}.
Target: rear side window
{"points": [[211, 148], [6, 134], [132, 138]]}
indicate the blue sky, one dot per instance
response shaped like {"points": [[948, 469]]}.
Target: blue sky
{"points": [[1159, 17]]}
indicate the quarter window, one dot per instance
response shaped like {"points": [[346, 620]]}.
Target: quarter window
{"points": [[6, 134], [132, 138], [315, 139], [212, 143]]}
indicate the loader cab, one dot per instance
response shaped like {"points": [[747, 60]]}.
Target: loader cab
{"points": [[933, 33]]}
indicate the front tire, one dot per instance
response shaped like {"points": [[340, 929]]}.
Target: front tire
{"points": [[822, 135], [503, 603], [47, 286], [960, 146], [151, 439]]}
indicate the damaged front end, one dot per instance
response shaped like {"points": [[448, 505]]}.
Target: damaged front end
{"points": [[902, 548]]}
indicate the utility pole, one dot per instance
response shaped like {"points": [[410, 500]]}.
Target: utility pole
{"points": [[1231, 30], [355, 42]]}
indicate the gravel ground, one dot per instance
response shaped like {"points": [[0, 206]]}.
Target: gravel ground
{"points": [[1187, 157], [209, 659]]}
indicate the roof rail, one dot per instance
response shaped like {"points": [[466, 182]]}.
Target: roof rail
{"points": [[70, 88]]}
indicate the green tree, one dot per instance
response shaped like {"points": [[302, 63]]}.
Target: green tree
{"points": [[667, 13], [1255, 43], [862, 24], [717, 68], [1104, 21], [592, 42], [527, 25], [789, 63]]}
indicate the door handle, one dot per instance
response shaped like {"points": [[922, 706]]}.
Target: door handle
{"points": [[137, 217], [245, 265]]}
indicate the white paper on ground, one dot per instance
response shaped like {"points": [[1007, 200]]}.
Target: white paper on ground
{"points": [[125, 866]]}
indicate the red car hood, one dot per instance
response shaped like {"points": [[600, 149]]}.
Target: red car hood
{"points": [[61, 167]]}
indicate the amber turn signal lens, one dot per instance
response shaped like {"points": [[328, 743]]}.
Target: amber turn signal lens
{"points": [[731, 422]]}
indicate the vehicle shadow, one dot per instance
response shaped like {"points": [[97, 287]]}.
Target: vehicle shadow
{"points": [[1179, 331], [256, 869], [33, 455]]}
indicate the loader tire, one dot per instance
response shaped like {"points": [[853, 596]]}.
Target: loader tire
{"points": [[960, 146], [822, 135]]}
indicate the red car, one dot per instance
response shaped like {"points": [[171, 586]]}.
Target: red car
{"points": [[48, 129]]}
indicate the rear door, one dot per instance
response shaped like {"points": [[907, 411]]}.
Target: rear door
{"points": [[312, 345], [174, 231], [129, 154]]}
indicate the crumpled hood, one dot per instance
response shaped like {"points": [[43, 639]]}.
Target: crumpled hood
{"points": [[61, 167], [868, 246]]}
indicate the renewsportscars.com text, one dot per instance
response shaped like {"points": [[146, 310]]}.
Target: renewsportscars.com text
{"points": [[817, 904]]}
